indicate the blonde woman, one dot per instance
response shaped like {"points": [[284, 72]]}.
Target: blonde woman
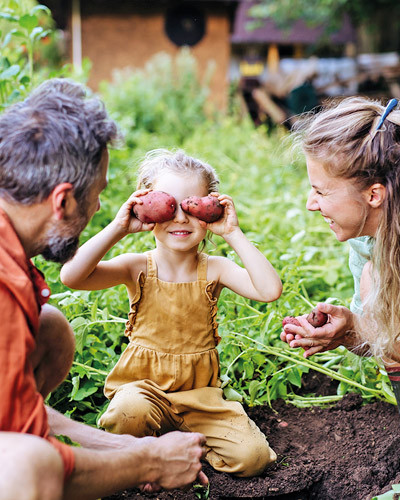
{"points": [[352, 151]]}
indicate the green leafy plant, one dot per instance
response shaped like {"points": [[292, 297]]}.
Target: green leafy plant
{"points": [[23, 25], [31, 50], [165, 98], [202, 492]]}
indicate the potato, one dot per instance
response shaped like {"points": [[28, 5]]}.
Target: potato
{"points": [[316, 318], [290, 320], [157, 207], [208, 208]]}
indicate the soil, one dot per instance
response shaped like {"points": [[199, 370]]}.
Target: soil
{"points": [[349, 451]]}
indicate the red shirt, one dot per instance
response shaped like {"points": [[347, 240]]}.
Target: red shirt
{"points": [[22, 292]]}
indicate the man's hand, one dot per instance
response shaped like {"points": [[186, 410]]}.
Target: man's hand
{"points": [[177, 456], [337, 331]]}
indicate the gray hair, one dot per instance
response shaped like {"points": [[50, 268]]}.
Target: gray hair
{"points": [[160, 160], [55, 135]]}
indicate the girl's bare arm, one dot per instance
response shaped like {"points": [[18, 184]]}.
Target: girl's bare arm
{"points": [[258, 280], [86, 271]]}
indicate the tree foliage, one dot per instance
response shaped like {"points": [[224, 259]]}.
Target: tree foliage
{"points": [[327, 12]]}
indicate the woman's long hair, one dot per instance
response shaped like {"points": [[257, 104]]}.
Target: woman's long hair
{"points": [[343, 138]]}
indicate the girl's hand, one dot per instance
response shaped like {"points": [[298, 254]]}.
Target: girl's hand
{"points": [[125, 217], [228, 222]]}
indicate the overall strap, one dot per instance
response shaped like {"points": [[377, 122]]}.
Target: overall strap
{"points": [[151, 265], [202, 267]]}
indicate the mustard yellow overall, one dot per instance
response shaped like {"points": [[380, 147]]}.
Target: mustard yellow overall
{"points": [[168, 376]]}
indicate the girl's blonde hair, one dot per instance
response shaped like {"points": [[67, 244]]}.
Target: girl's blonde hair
{"points": [[159, 161], [343, 138]]}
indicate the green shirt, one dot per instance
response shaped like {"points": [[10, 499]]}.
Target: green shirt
{"points": [[360, 253]]}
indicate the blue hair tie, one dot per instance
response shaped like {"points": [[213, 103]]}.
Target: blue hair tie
{"points": [[389, 108]]}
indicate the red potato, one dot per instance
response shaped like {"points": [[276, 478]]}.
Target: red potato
{"points": [[157, 207], [208, 208], [316, 318], [290, 320]]}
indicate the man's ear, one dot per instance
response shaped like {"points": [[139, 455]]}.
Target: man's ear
{"points": [[62, 200], [375, 195]]}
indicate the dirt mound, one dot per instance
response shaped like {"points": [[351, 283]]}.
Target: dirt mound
{"points": [[349, 451]]}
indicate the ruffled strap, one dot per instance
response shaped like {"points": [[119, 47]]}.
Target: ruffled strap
{"points": [[210, 286], [135, 305]]}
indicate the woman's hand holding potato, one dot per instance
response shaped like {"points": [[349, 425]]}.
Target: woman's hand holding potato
{"points": [[338, 331]]}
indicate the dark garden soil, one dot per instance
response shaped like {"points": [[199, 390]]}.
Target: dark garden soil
{"points": [[349, 451]]}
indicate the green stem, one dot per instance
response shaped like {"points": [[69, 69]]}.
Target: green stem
{"points": [[30, 60], [3, 99], [234, 361], [239, 319], [306, 298], [101, 321], [90, 368], [245, 304], [314, 400], [310, 364]]}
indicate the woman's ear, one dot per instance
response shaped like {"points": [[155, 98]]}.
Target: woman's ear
{"points": [[62, 199], [375, 195]]}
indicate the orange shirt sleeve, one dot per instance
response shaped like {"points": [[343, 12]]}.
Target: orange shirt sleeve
{"points": [[22, 408]]}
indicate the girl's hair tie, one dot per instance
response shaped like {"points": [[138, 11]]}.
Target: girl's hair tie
{"points": [[389, 108]]}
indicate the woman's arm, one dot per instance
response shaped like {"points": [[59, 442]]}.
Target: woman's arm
{"points": [[258, 280], [86, 272]]}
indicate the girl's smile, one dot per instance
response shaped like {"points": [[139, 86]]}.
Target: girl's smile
{"points": [[180, 234]]}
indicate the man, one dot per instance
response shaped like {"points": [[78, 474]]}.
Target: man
{"points": [[53, 166]]}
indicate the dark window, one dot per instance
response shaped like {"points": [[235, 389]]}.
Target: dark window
{"points": [[185, 25]]}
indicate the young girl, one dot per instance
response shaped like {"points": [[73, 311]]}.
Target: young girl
{"points": [[168, 376]]}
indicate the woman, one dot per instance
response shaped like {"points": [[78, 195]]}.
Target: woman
{"points": [[353, 161]]}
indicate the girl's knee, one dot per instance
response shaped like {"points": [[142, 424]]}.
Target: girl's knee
{"points": [[243, 460], [126, 416], [254, 459]]}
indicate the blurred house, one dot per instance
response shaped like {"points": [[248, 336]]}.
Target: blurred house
{"points": [[284, 72], [260, 48], [262, 39], [127, 33], [121, 33]]}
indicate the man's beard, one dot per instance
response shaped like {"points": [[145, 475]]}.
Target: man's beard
{"points": [[63, 242], [60, 249]]}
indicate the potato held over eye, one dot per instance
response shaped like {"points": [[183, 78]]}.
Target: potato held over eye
{"points": [[208, 208], [157, 207]]}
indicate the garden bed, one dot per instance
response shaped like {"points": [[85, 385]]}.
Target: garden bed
{"points": [[349, 451]]}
